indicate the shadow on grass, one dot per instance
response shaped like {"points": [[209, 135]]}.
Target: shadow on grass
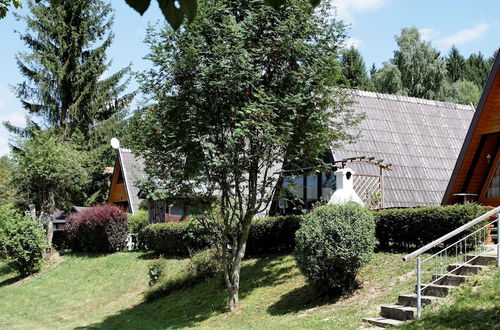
{"points": [[188, 307], [5, 270]]}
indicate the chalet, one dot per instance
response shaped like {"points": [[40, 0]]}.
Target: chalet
{"points": [[476, 176], [406, 153]]}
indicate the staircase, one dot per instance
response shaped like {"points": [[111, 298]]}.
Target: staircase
{"points": [[474, 252], [406, 306]]}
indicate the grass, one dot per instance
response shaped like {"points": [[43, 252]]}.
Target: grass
{"points": [[106, 292], [469, 308]]}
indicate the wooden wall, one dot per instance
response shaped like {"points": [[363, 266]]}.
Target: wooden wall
{"points": [[118, 192]]}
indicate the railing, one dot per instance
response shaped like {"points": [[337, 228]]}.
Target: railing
{"points": [[473, 242]]}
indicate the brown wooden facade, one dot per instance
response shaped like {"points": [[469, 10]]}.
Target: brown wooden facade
{"points": [[118, 190], [477, 168]]}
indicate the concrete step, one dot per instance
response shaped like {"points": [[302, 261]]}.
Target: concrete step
{"points": [[484, 260], [411, 300], [437, 290], [398, 312], [452, 279], [465, 269], [383, 322]]}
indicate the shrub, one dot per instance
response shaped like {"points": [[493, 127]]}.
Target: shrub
{"points": [[414, 227], [333, 243], [137, 222], [203, 266], [155, 271], [272, 235], [22, 243], [175, 239], [100, 228]]}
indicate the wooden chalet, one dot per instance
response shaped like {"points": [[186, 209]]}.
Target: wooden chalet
{"points": [[476, 176]]}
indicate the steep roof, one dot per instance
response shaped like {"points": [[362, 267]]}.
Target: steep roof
{"points": [[421, 138], [133, 170], [486, 122]]}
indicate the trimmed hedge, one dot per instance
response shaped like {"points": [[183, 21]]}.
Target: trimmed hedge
{"points": [[267, 236], [414, 227], [272, 235]]}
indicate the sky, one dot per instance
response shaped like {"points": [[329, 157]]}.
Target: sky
{"points": [[472, 26]]}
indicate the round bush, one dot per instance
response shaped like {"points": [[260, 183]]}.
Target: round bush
{"points": [[21, 243], [333, 243], [100, 228]]}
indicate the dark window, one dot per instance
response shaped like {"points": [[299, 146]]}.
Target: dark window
{"points": [[120, 176]]}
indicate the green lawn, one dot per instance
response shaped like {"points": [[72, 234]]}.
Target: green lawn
{"points": [[84, 291], [106, 292]]}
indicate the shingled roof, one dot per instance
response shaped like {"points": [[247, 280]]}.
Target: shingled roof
{"points": [[421, 138], [133, 170]]}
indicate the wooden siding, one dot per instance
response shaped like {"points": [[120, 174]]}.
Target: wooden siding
{"points": [[472, 171], [118, 191]]}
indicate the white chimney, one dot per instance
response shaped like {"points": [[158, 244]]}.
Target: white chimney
{"points": [[345, 192]]}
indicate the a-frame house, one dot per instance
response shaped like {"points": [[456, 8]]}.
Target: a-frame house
{"points": [[476, 176]]}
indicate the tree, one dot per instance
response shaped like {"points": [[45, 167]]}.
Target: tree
{"points": [[422, 70], [65, 66], [48, 174], [66, 84], [476, 69], [241, 92], [455, 64], [4, 6], [354, 70], [388, 80], [7, 191], [463, 92]]}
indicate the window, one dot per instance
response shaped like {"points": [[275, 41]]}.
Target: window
{"points": [[494, 187], [120, 176]]}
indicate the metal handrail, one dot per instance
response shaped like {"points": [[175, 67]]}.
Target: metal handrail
{"points": [[455, 232]]}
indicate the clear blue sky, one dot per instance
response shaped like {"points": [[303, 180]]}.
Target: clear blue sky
{"points": [[472, 26]]}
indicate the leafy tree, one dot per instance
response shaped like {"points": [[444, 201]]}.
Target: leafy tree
{"points": [[239, 93], [354, 70], [48, 174], [388, 80], [422, 70], [463, 92], [7, 191], [455, 64], [4, 6]]}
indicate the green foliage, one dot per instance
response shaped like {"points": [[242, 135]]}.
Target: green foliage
{"points": [[476, 69], [65, 85], [415, 227], [354, 70], [7, 189], [463, 92], [272, 235], [175, 13], [174, 239], [455, 65], [203, 266], [332, 245], [138, 221], [241, 90], [22, 242], [155, 270], [388, 80], [4, 6], [48, 173]]}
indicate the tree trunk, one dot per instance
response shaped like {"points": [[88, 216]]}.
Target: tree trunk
{"points": [[49, 213]]}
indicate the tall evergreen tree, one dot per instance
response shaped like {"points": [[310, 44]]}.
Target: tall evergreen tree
{"points": [[477, 69], [455, 64], [66, 86], [354, 69], [66, 63]]}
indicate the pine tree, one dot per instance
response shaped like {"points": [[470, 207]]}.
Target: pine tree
{"points": [[65, 65], [477, 69], [455, 64], [354, 70], [65, 85]]}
